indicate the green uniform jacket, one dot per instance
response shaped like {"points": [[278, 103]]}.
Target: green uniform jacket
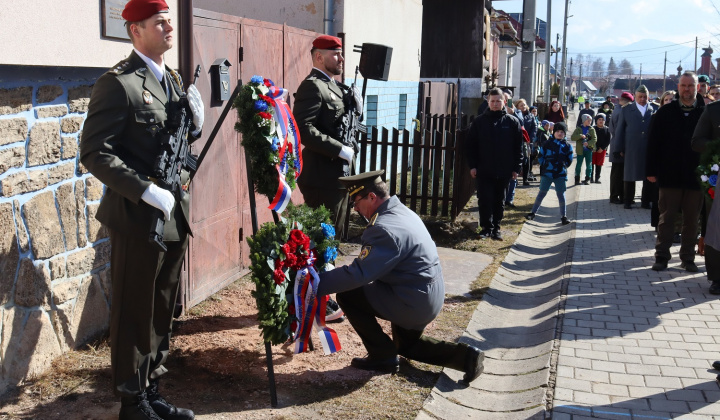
{"points": [[577, 137], [318, 110], [118, 148]]}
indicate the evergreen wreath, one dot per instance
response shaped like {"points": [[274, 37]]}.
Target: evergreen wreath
{"points": [[276, 252], [708, 168], [260, 139]]}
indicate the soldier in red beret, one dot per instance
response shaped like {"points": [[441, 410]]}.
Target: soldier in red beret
{"points": [[128, 106], [320, 104]]}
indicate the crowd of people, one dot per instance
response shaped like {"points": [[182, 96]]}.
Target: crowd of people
{"points": [[658, 142]]}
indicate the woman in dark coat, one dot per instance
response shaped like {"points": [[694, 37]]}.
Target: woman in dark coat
{"points": [[556, 114]]}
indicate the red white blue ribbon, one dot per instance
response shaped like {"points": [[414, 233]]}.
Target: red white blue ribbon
{"points": [[289, 143], [310, 311]]}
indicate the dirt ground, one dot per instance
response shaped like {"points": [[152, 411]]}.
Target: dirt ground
{"points": [[218, 364]]}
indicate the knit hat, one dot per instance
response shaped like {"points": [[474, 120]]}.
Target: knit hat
{"points": [[703, 79], [543, 123], [560, 126], [533, 107], [627, 95], [586, 117], [600, 115]]}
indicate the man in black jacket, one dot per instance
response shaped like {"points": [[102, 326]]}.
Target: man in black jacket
{"points": [[671, 163], [494, 153]]}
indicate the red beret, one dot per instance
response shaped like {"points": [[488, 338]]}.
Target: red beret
{"points": [[327, 42], [627, 95], [139, 10]]}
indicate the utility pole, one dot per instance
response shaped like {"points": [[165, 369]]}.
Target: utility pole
{"points": [[548, 48], [559, 51], [664, 71], [564, 60], [580, 78], [527, 61], [640, 80], [695, 69]]}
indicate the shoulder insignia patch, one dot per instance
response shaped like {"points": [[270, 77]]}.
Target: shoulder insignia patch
{"points": [[373, 219], [364, 252]]}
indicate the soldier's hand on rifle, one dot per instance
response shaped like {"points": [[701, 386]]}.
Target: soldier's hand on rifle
{"points": [[347, 153], [358, 98], [159, 198], [196, 106]]}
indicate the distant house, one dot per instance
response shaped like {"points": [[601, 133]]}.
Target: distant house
{"points": [[654, 86], [586, 87]]}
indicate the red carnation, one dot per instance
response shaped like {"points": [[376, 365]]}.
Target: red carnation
{"points": [[267, 82], [300, 238], [278, 275], [268, 99], [265, 115], [711, 191]]}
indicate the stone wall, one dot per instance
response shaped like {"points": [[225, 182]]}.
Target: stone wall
{"points": [[54, 255]]}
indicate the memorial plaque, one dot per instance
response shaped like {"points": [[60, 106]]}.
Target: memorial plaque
{"points": [[113, 25]]}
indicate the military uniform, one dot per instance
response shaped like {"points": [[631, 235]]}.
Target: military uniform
{"points": [[127, 107], [396, 277], [318, 110]]}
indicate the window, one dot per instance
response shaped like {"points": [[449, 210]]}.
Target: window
{"points": [[402, 112], [372, 111]]}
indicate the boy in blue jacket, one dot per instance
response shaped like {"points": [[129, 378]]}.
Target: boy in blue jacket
{"points": [[555, 156]]}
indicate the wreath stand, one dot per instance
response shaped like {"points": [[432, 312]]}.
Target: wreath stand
{"points": [[254, 218]]}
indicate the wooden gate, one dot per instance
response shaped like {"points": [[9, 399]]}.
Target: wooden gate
{"points": [[220, 211], [427, 171]]}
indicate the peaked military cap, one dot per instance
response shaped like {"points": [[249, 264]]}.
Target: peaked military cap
{"points": [[356, 183]]}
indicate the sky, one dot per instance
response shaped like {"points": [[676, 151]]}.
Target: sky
{"points": [[627, 28]]}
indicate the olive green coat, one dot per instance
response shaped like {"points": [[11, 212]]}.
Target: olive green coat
{"points": [[118, 148], [318, 111]]}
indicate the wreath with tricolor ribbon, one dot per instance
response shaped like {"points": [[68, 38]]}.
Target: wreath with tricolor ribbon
{"points": [[270, 138]]}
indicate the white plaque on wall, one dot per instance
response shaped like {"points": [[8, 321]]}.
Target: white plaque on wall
{"points": [[113, 25]]}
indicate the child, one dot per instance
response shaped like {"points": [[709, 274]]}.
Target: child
{"points": [[585, 139], [603, 141], [555, 156]]}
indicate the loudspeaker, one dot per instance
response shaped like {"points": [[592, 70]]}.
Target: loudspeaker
{"points": [[375, 61]]}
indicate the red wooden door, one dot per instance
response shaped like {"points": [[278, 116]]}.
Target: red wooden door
{"points": [[215, 249], [220, 211]]}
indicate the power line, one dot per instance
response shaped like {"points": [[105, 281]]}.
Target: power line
{"points": [[679, 44]]}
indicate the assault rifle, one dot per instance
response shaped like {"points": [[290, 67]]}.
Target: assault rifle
{"points": [[350, 126], [174, 157]]}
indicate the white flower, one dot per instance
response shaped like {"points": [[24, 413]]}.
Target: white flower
{"points": [[704, 178], [715, 167]]}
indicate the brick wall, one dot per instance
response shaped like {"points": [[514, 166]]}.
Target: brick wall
{"points": [[54, 255]]}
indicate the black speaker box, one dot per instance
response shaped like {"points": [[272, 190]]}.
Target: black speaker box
{"points": [[375, 61]]}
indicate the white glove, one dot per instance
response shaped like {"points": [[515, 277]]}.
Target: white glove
{"points": [[347, 154], [358, 99], [159, 198], [196, 106]]}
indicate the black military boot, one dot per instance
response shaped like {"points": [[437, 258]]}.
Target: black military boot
{"points": [[137, 408], [586, 181], [577, 180], [597, 173], [164, 409]]}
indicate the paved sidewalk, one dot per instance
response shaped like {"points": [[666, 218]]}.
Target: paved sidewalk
{"points": [[635, 343], [576, 325]]}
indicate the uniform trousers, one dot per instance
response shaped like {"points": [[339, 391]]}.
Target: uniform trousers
{"points": [[671, 201], [617, 172], [491, 201], [145, 283], [410, 344], [334, 199]]}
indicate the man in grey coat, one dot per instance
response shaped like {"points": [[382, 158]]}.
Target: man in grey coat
{"points": [[396, 277], [631, 142], [617, 171]]}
